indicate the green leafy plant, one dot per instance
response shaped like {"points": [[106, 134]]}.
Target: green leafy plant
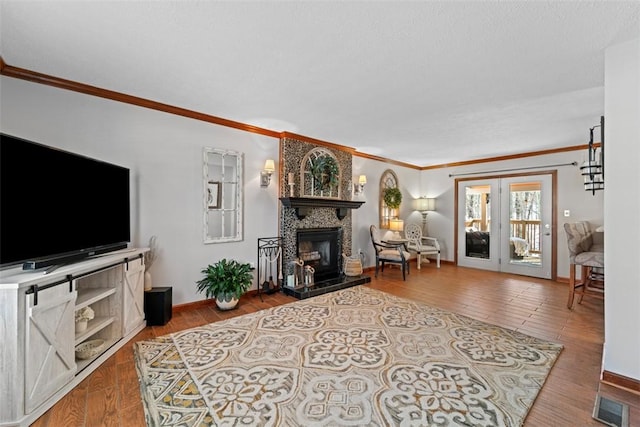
{"points": [[225, 280], [392, 197], [325, 172]]}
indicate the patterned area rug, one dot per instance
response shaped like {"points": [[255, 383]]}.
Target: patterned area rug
{"points": [[355, 357]]}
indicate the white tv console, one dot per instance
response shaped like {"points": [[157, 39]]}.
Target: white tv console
{"points": [[37, 328]]}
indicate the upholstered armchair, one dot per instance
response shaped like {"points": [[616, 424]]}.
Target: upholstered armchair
{"points": [[389, 253], [583, 251], [420, 244]]}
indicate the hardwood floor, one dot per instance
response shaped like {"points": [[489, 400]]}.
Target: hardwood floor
{"points": [[111, 397]]}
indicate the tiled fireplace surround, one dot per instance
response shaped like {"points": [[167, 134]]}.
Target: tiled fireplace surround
{"points": [[291, 155]]}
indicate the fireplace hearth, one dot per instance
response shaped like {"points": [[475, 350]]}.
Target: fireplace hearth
{"points": [[327, 286]]}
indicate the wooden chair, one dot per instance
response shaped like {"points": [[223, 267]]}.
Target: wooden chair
{"points": [[394, 253], [420, 244], [587, 254]]}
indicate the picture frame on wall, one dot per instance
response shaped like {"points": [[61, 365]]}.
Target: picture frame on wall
{"points": [[214, 195]]}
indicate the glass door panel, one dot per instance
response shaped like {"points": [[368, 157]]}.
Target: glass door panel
{"points": [[477, 233], [524, 223], [526, 232]]}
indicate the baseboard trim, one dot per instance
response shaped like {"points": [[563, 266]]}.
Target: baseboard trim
{"points": [[620, 381], [193, 305]]}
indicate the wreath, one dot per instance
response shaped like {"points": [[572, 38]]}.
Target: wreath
{"points": [[325, 172], [392, 197]]}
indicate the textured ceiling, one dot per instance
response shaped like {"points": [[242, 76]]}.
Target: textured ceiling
{"points": [[420, 82]]}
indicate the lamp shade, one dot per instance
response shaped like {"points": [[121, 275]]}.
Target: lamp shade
{"points": [[424, 204], [269, 165], [362, 179], [396, 225]]}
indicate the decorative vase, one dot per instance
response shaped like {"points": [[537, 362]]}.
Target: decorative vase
{"points": [[148, 284], [81, 325]]}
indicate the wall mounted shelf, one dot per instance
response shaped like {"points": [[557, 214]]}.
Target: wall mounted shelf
{"points": [[303, 205]]}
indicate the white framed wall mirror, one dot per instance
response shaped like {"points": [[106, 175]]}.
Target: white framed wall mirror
{"points": [[222, 195]]}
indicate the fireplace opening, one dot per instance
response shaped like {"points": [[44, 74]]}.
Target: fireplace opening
{"points": [[321, 248]]}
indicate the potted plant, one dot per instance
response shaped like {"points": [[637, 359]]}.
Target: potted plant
{"points": [[82, 318], [225, 281]]}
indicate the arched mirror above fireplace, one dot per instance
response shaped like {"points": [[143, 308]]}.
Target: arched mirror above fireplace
{"points": [[320, 174]]}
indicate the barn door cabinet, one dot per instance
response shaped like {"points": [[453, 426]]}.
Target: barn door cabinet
{"points": [[38, 364]]}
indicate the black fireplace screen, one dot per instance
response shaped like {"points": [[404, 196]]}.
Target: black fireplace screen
{"points": [[321, 248]]}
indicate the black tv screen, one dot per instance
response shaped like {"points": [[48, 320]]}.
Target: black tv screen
{"points": [[56, 206]]}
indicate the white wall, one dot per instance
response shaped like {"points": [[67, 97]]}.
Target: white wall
{"points": [[368, 214], [164, 154], [570, 195], [437, 183], [622, 229]]}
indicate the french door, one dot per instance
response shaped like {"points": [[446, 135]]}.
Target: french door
{"points": [[506, 224]]}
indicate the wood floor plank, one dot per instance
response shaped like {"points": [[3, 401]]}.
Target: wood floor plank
{"points": [[70, 411], [102, 408], [104, 376], [129, 394], [132, 416]]}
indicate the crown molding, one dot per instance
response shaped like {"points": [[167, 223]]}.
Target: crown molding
{"points": [[45, 79], [511, 156]]}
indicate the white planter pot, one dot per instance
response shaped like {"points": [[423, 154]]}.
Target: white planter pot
{"points": [[81, 325], [226, 305]]}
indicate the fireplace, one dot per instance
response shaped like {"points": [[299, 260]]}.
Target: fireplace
{"points": [[321, 248], [315, 229]]}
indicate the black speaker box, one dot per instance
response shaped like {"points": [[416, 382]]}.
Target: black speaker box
{"points": [[157, 306]]}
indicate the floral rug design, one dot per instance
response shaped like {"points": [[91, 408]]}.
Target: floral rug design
{"points": [[356, 357]]}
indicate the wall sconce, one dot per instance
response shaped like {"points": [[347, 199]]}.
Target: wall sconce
{"points": [[593, 169], [265, 174], [396, 225], [424, 205], [359, 187]]}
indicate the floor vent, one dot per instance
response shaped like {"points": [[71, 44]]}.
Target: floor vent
{"points": [[610, 412]]}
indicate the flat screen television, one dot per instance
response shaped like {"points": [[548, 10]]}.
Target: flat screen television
{"points": [[58, 207]]}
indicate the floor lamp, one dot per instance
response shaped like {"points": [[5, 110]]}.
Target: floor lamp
{"points": [[424, 205]]}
